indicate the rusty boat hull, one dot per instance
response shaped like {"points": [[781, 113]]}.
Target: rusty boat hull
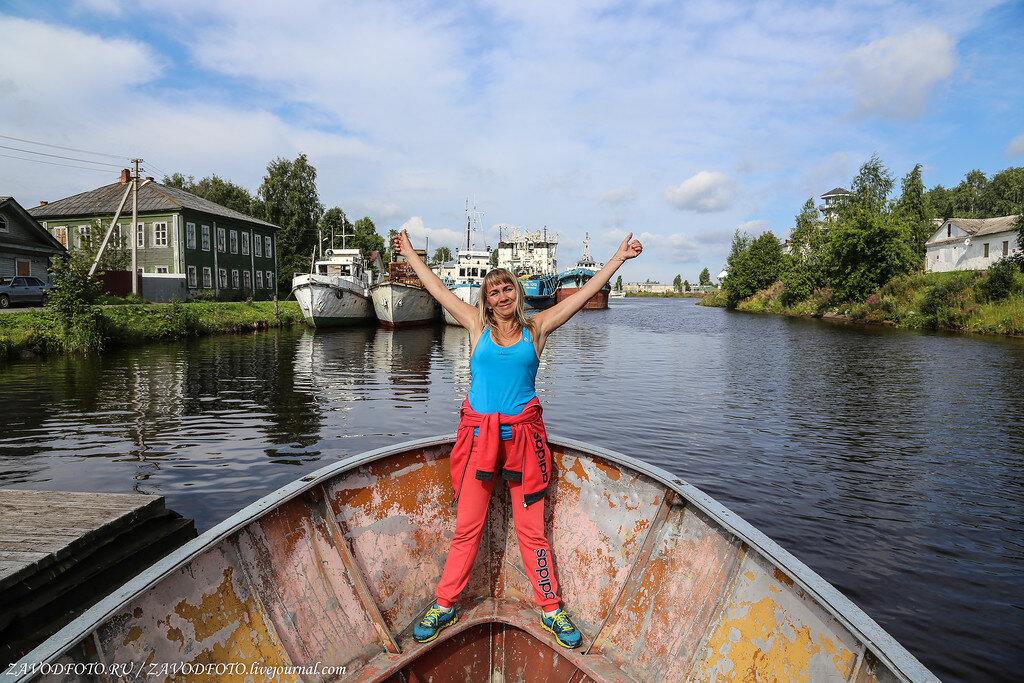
{"points": [[325, 579]]}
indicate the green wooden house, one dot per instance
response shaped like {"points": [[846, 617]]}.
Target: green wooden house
{"points": [[185, 244]]}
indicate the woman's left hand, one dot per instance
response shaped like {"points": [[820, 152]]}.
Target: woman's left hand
{"points": [[628, 250]]}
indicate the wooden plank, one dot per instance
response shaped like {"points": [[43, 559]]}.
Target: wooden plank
{"points": [[38, 528]]}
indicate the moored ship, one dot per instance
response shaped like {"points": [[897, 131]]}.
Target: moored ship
{"points": [[465, 275], [336, 291], [574, 278], [402, 300], [530, 256]]}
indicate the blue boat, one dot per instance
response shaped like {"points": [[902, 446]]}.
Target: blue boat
{"points": [[540, 290]]}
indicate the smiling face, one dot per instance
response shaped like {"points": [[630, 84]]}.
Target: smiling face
{"points": [[501, 298]]}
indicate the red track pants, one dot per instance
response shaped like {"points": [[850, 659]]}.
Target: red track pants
{"points": [[469, 528]]}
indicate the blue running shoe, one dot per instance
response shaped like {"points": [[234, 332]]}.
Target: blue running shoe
{"points": [[436, 620], [564, 630]]}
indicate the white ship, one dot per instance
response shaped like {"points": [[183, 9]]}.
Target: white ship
{"points": [[465, 275], [337, 291], [402, 300]]}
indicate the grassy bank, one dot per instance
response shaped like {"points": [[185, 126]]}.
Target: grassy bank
{"points": [[110, 326], [967, 301]]}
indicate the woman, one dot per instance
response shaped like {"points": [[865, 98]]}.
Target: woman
{"points": [[501, 431]]}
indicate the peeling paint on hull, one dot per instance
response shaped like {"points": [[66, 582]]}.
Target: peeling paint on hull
{"points": [[336, 568]]}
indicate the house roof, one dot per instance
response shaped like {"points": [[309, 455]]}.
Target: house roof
{"points": [[983, 226], [836, 191], [153, 197], [34, 225]]}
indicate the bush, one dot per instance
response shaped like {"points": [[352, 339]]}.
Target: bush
{"points": [[1003, 279], [75, 321], [798, 285]]}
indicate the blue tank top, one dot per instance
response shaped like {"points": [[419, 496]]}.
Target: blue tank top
{"points": [[503, 377]]}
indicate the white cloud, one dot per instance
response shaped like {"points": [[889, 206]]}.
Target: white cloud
{"points": [[894, 76], [705, 192], [420, 233], [620, 195], [1016, 147]]}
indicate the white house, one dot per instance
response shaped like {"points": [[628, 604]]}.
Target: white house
{"points": [[830, 208], [970, 243]]}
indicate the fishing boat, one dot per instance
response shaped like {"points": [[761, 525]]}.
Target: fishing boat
{"points": [[336, 291], [574, 278], [325, 579], [530, 256], [402, 300], [616, 294], [465, 275]]}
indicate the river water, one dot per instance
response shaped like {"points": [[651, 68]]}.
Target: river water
{"points": [[891, 462]]}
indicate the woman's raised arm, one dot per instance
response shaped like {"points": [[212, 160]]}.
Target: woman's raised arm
{"points": [[466, 315], [551, 319]]}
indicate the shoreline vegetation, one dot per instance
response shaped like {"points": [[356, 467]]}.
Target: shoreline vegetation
{"points": [[97, 328], [958, 301], [666, 295]]}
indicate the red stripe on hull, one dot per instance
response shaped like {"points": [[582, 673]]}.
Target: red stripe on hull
{"points": [[599, 300]]}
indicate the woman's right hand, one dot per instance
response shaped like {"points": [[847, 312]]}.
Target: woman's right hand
{"points": [[402, 246]]}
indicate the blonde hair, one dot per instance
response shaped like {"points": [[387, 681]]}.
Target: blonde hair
{"points": [[502, 276]]}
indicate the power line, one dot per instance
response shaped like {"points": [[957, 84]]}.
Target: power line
{"points": [[54, 163], [69, 149], [61, 156]]}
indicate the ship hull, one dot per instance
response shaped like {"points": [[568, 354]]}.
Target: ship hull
{"points": [[599, 300], [402, 305], [332, 301], [468, 293]]}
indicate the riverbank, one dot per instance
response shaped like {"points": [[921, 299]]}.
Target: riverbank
{"points": [[964, 301], [28, 333]]}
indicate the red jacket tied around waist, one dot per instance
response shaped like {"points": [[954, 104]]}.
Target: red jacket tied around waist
{"points": [[529, 457]]}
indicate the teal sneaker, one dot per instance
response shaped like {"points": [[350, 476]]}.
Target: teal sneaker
{"points": [[436, 620], [564, 630]]}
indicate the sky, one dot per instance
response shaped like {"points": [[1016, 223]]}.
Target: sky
{"points": [[680, 122]]}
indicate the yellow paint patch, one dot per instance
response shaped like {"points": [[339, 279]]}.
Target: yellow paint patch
{"points": [[749, 575], [134, 633], [769, 645]]}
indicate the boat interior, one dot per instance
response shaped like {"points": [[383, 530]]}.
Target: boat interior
{"points": [[327, 577]]}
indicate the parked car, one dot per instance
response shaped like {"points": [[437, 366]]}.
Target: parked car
{"points": [[23, 290]]}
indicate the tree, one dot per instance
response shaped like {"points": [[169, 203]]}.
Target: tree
{"points": [[940, 201], [871, 187], [442, 255], [288, 198], [753, 265], [677, 283], [914, 208], [335, 229], [1004, 194], [618, 282], [705, 278], [866, 252], [686, 285], [117, 256], [215, 189], [966, 197], [494, 259]]}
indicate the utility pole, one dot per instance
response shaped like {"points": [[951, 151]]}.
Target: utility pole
{"points": [[135, 225]]}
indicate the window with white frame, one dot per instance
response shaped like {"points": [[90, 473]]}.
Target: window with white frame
{"points": [[192, 277], [207, 277], [246, 278], [162, 269], [267, 248], [259, 247], [160, 234], [234, 278], [60, 232], [190, 235], [84, 236], [259, 279], [206, 238], [234, 241], [270, 279], [222, 278], [245, 243], [140, 235], [220, 240]]}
